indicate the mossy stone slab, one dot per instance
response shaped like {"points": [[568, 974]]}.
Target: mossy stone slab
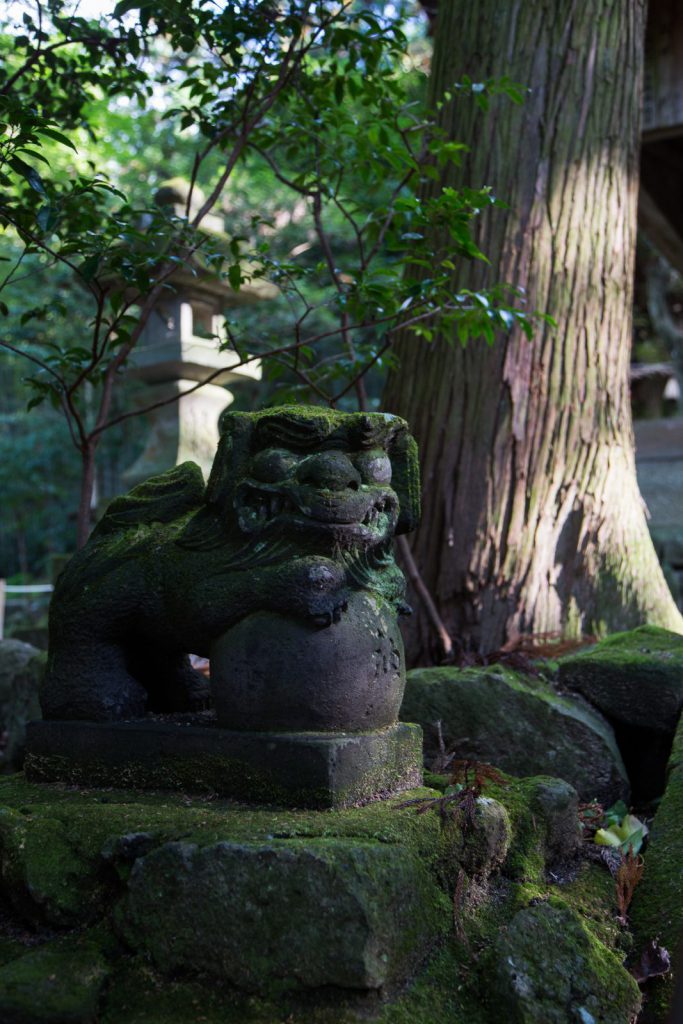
{"points": [[289, 769], [309, 914], [519, 724], [635, 678]]}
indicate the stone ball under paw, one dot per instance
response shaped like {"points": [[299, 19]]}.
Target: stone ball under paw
{"points": [[273, 672]]}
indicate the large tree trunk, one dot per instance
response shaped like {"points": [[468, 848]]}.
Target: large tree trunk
{"points": [[532, 517]]}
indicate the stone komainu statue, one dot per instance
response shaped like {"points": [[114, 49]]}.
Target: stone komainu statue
{"points": [[289, 544]]}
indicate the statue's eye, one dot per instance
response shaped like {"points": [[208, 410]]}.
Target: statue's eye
{"points": [[374, 466], [273, 464]]}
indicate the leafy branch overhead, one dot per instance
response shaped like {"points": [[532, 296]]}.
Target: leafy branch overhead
{"points": [[314, 97]]}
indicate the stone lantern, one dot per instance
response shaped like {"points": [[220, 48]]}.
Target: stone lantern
{"points": [[178, 348]]}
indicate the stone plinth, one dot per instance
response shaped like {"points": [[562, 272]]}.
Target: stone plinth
{"points": [[314, 770], [122, 907]]}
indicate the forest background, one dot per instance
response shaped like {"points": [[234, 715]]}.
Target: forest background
{"points": [[119, 105], [350, 186]]}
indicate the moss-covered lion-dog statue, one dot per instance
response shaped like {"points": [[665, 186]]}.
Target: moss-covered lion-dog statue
{"points": [[300, 510]]}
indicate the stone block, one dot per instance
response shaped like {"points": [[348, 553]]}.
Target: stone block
{"points": [[289, 769], [308, 914], [634, 678]]}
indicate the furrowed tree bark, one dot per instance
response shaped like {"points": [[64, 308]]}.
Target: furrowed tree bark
{"points": [[532, 520]]}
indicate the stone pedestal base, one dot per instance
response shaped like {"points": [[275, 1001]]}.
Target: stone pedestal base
{"points": [[226, 914], [287, 769]]}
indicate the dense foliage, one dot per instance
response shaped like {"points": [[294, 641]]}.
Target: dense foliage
{"points": [[315, 104]]}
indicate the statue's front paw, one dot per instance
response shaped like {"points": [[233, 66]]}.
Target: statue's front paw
{"points": [[328, 608], [327, 597]]}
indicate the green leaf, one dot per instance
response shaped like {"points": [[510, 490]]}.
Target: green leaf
{"points": [[88, 267], [37, 156], [46, 217], [235, 276], [30, 174], [126, 5], [605, 837], [627, 834], [52, 133], [616, 813]]}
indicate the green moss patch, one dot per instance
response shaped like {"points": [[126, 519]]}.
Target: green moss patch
{"points": [[57, 983], [657, 909], [548, 968]]}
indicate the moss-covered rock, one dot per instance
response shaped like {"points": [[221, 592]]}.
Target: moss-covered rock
{"points": [[487, 840], [557, 803], [549, 969], [545, 829], [44, 875], [519, 724], [21, 670], [635, 678]]}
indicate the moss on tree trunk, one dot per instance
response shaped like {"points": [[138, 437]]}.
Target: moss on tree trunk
{"points": [[533, 521]]}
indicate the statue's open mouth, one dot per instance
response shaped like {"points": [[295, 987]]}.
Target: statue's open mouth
{"points": [[368, 512], [375, 512]]}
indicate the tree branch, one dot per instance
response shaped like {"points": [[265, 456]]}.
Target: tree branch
{"points": [[419, 584]]}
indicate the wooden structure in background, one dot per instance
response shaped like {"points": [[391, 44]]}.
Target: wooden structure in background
{"points": [[659, 442], [661, 168]]}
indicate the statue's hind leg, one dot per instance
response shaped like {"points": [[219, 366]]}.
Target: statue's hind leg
{"points": [[90, 680]]}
